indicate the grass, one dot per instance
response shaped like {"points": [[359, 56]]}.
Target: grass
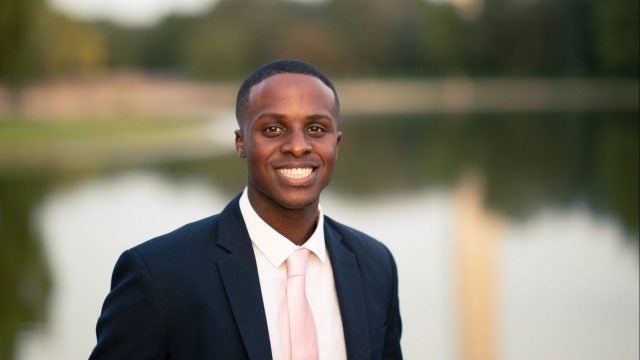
{"points": [[19, 130], [40, 142]]}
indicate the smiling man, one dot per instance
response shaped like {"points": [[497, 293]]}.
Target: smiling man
{"points": [[270, 277]]}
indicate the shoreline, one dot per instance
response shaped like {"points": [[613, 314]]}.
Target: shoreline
{"points": [[131, 118], [133, 94]]}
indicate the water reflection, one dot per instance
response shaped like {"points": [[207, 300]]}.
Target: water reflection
{"points": [[562, 186], [25, 280], [567, 285], [569, 288], [84, 229], [529, 160]]}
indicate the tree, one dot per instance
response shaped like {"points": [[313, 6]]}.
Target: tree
{"points": [[18, 19], [67, 46]]}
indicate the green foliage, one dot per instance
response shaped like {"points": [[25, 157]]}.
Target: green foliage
{"points": [[124, 45], [165, 46], [218, 51], [25, 279], [343, 37], [18, 19], [35, 41], [445, 34], [618, 26], [68, 46]]}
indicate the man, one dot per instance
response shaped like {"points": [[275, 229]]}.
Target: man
{"points": [[231, 286]]}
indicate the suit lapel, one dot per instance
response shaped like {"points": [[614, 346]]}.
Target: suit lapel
{"points": [[350, 297], [239, 274]]}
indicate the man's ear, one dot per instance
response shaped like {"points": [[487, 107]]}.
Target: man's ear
{"points": [[240, 144], [338, 141]]}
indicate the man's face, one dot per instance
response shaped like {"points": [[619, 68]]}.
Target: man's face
{"points": [[290, 139]]}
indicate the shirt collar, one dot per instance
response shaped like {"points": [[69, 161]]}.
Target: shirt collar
{"points": [[274, 245]]}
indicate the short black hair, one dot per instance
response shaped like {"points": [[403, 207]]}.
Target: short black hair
{"points": [[267, 70]]}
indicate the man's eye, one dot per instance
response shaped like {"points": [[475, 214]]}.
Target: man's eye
{"points": [[272, 130], [316, 129]]}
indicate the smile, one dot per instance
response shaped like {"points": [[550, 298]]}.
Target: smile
{"points": [[296, 173]]}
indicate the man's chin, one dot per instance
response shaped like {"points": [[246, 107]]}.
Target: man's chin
{"points": [[298, 204], [298, 201], [289, 198]]}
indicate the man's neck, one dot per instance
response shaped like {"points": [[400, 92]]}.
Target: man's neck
{"points": [[297, 225]]}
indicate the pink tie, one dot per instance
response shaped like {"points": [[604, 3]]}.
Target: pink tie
{"points": [[301, 341]]}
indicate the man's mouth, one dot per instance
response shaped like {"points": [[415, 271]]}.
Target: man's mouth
{"points": [[296, 173]]}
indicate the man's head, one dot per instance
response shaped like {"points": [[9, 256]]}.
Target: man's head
{"points": [[273, 68], [288, 134]]}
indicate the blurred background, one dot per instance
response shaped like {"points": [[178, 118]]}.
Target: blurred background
{"points": [[491, 144]]}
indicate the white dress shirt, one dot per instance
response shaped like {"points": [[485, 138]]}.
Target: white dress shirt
{"points": [[272, 250]]}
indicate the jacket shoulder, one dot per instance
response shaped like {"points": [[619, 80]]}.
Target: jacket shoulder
{"points": [[189, 239]]}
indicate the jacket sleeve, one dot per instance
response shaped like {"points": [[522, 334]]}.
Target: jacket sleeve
{"points": [[131, 324], [392, 348]]}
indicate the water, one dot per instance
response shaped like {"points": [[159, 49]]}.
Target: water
{"points": [[543, 208]]}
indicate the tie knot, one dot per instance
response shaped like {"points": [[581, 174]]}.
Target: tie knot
{"points": [[297, 262]]}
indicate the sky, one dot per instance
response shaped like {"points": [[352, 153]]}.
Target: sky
{"points": [[129, 12]]}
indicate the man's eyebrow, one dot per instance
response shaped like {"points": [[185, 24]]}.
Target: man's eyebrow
{"points": [[276, 116], [319, 117], [282, 117]]}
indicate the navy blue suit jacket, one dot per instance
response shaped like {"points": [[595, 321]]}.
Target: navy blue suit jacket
{"points": [[194, 294]]}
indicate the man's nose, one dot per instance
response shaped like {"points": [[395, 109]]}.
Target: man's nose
{"points": [[296, 143]]}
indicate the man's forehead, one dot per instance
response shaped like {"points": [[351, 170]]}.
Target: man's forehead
{"points": [[287, 85], [283, 89], [287, 81]]}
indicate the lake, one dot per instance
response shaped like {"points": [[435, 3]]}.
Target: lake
{"points": [[516, 235]]}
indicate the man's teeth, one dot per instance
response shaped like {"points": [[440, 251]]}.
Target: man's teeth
{"points": [[296, 173]]}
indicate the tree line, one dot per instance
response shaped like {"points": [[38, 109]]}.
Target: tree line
{"points": [[399, 38]]}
